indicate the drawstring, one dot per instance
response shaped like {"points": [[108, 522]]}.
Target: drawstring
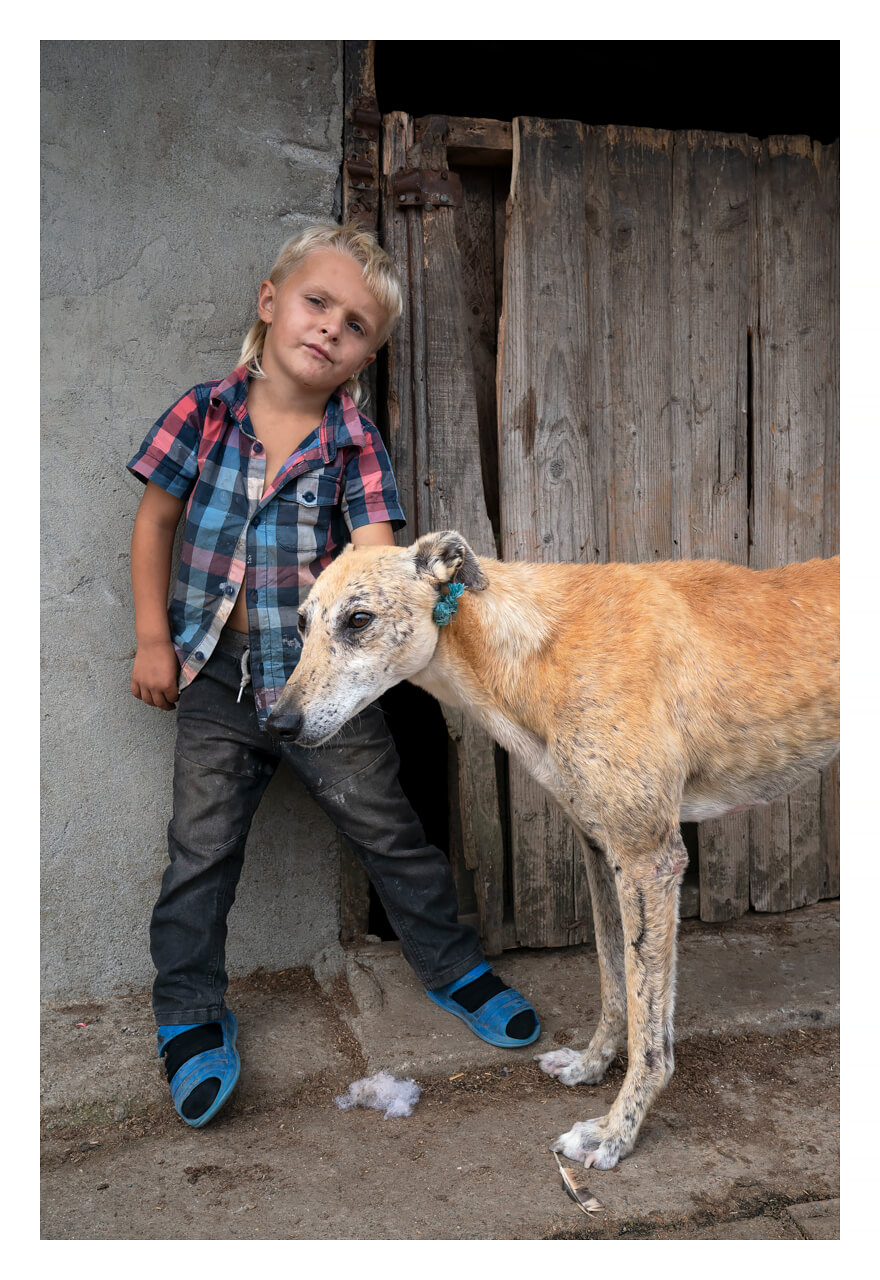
{"points": [[245, 674]]}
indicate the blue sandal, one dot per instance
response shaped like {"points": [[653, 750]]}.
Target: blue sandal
{"points": [[221, 1064], [490, 1021]]}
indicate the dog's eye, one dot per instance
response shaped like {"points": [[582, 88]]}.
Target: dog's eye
{"points": [[359, 620], [301, 623]]}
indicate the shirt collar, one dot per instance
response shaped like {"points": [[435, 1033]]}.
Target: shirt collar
{"points": [[341, 424], [232, 392]]}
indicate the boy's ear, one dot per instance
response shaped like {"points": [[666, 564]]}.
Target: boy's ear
{"points": [[446, 557], [265, 301]]}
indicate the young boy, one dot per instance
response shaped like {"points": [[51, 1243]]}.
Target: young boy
{"points": [[277, 470]]}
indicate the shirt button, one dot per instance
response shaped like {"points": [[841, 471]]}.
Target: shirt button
{"points": [[309, 497], [198, 655], [258, 448], [255, 522]]}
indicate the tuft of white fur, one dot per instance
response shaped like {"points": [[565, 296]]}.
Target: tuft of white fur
{"points": [[382, 1092]]}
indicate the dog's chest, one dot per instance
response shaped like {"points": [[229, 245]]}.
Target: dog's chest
{"points": [[528, 747]]}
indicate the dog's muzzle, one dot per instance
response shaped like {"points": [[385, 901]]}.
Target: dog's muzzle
{"points": [[285, 726]]}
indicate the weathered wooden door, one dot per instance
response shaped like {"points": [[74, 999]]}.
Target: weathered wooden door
{"points": [[659, 381], [438, 450], [668, 376]]}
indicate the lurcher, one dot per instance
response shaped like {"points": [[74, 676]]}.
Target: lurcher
{"points": [[638, 695]]}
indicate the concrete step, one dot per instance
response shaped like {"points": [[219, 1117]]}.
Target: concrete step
{"points": [[761, 973]]}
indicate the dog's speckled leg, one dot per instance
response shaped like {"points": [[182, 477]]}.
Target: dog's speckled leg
{"points": [[649, 907], [588, 1066]]}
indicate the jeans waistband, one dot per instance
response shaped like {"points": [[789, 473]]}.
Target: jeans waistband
{"points": [[233, 641]]}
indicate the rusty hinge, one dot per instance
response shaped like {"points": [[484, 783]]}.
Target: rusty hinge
{"points": [[366, 121], [361, 174], [427, 188]]}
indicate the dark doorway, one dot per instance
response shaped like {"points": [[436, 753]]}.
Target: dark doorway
{"points": [[758, 87]]}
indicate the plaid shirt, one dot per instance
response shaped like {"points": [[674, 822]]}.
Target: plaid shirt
{"points": [[273, 547]]}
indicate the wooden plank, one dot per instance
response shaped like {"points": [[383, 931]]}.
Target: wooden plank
{"points": [[480, 871], [601, 409], [804, 822], [792, 361], [407, 419], [712, 227], [395, 226], [640, 478], [547, 509], [473, 141], [770, 857], [475, 233], [724, 867], [713, 194], [454, 470], [830, 823], [359, 206], [546, 506], [360, 145], [461, 873], [451, 497], [828, 166], [794, 355]]}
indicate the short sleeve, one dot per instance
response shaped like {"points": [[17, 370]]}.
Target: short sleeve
{"points": [[369, 493], [169, 455]]}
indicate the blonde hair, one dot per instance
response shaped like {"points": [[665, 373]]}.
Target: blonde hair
{"points": [[380, 277]]}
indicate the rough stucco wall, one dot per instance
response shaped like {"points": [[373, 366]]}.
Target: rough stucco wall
{"points": [[172, 174]]}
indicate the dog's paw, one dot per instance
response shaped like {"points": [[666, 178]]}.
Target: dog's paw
{"points": [[590, 1142], [570, 1066]]}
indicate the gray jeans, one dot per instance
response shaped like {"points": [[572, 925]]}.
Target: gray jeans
{"points": [[222, 765]]}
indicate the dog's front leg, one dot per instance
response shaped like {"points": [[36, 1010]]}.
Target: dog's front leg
{"points": [[588, 1066], [648, 893]]}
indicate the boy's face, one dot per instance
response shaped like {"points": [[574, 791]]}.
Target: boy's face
{"points": [[324, 324]]}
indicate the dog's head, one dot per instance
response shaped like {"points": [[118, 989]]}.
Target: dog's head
{"points": [[368, 624]]}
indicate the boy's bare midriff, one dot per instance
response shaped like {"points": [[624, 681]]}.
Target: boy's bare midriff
{"points": [[238, 619]]}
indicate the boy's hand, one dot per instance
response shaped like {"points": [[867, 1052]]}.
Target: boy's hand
{"points": [[154, 675]]}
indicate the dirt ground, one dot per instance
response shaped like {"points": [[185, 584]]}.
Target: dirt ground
{"points": [[744, 1144]]}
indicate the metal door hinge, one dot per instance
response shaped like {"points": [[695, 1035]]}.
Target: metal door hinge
{"points": [[361, 173], [365, 121], [426, 188], [361, 140]]}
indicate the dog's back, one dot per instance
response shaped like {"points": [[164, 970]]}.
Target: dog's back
{"points": [[757, 699], [728, 673]]}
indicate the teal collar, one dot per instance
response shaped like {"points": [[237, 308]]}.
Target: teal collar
{"points": [[447, 607]]}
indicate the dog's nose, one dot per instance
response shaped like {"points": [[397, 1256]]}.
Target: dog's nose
{"points": [[285, 726]]}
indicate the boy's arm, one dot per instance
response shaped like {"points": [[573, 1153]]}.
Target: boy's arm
{"points": [[373, 535], [155, 671]]}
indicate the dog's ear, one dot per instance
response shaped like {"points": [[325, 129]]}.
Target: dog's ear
{"points": [[446, 557]]}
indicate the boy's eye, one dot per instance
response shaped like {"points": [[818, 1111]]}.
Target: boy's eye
{"points": [[357, 327], [359, 620], [317, 301]]}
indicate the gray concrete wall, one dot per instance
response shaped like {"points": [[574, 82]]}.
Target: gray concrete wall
{"points": [[172, 174]]}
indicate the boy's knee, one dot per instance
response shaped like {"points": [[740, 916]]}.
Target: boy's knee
{"points": [[213, 808]]}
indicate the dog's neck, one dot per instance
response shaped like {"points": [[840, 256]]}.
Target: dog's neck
{"points": [[482, 655]]}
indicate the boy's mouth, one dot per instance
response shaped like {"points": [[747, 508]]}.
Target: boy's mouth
{"points": [[318, 351]]}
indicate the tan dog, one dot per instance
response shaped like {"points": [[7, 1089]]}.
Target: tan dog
{"points": [[639, 695]]}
